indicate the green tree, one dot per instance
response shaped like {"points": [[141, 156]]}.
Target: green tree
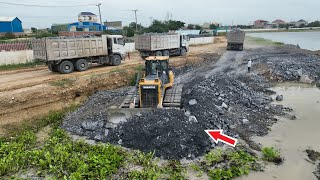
{"points": [[34, 30], [314, 24], [133, 25], [190, 26], [174, 25], [128, 31], [198, 27], [212, 26]]}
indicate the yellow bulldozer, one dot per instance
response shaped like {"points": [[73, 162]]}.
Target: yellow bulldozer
{"points": [[156, 89]]}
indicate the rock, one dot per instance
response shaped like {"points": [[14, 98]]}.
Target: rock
{"points": [[193, 102], [92, 125], [318, 84], [279, 98], [224, 105], [193, 119], [305, 79], [98, 137], [120, 141], [293, 117], [106, 132], [245, 121], [187, 113], [12, 98]]}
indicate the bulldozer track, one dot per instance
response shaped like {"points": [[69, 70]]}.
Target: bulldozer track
{"points": [[171, 100]]}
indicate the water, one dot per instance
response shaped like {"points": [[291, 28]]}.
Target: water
{"points": [[293, 137], [306, 40]]}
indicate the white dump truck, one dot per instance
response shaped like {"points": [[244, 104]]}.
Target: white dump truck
{"points": [[66, 54], [156, 44], [235, 39]]}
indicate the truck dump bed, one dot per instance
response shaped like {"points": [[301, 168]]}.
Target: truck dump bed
{"points": [[154, 42], [51, 49], [236, 36]]}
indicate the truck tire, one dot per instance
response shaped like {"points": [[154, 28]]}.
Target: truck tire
{"points": [[53, 68], [81, 65], [116, 60], [241, 48], [166, 53], [158, 53], [183, 52], [66, 67]]}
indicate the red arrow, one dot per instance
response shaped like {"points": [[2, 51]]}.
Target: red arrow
{"points": [[217, 136]]}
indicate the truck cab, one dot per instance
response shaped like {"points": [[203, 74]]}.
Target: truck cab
{"points": [[185, 41], [116, 45]]}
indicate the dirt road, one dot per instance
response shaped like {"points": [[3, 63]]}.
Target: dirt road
{"points": [[31, 93]]}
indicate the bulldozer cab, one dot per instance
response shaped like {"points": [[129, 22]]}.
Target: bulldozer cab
{"points": [[157, 68]]}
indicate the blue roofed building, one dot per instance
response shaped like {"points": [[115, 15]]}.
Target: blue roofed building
{"points": [[86, 26], [87, 21], [10, 25]]}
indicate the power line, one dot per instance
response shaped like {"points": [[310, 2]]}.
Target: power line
{"points": [[46, 6]]}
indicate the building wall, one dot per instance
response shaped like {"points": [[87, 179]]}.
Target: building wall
{"points": [[16, 57]]}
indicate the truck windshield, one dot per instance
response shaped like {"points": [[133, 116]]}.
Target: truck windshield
{"points": [[121, 41]]}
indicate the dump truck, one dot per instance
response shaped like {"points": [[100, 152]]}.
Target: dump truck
{"points": [[156, 89], [157, 44], [235, 39], [66, 54]]}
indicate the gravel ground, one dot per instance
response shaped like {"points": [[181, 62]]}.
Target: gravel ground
{"points": [[288, 63]]}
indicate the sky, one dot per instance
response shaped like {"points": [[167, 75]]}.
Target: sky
{"points": [[226, 12]]}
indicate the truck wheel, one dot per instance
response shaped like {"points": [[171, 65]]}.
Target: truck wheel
{"points": [[53, 67], [183, 52], [81, 65], [66, 67], [158, 53], [166, 53], [241, 48], [116, 60]]}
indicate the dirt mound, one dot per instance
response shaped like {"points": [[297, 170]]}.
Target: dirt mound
{"points": [[170, 134]]}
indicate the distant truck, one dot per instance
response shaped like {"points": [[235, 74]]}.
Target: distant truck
{"points": [[65, 55], [235, 39], [156, 44]]}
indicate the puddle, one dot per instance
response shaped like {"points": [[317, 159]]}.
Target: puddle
{"points": [[293, 137]]}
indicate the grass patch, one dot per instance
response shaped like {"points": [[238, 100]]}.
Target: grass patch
{"points": [[60, 157], [270, 154], [21, 66], [262, 41], [228, 164], [54, 118], [63, 82]]}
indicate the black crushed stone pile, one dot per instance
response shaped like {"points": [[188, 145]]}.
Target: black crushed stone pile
{"points": [[291, 66], [90, 118], [170, 134], [219, 102]]}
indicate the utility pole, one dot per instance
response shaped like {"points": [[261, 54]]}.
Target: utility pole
{"points": [[135, 13], [99, 12]]}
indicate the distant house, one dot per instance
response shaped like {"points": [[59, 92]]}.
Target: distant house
{"points": [[10, 25], [113, 24], [278, 22], [261, 24], [301, 23], [87, 17]]}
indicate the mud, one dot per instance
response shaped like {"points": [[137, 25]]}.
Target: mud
{"points": [[293, 137]]}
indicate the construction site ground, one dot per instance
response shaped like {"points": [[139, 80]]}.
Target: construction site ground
{"points": [[31, 93], [218, 93]]}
